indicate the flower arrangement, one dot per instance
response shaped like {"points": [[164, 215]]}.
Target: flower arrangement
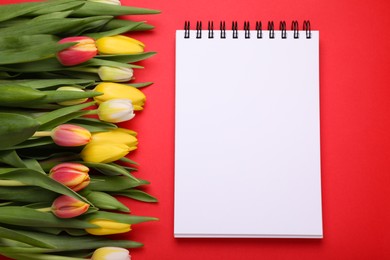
{"points": [[65, 68]]}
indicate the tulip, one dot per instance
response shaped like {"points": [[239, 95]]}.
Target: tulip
{"points": [[107, 227], [84, 50], [116, 110], [68, 207], [103, 152], [111, 253], [71, 102], [115, 74], [111, 2], [116, 90], [70, 135], [119, 44], [73, 175], [118, 135]]}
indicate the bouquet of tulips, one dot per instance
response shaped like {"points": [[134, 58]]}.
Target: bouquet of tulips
{"points": [[65, 80]]}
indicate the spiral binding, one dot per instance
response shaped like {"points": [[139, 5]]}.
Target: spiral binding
{"points": [[259, 31]]}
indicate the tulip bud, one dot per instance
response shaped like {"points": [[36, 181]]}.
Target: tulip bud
{"points": [[68, 207], [118, 135], [107, 227], [71, 102], [111, 253], [84, 50], [70, 135], [115, 74], [73, 175], [119, 44], [116, 110], [111, 2], [116, 90], [102, 152]]}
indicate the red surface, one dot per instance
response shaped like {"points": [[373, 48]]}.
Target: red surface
{"points": [[355, 129]]}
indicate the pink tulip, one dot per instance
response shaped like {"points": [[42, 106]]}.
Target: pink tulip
{"points": [[73, 175], [68, 207], [70, 135], [84, 50]]}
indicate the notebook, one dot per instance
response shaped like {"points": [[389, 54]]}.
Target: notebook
{"points": [[247, 132]]}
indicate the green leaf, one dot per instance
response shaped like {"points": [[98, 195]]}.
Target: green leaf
{"points": [[7, 75], [16, 255], [48, 83], [50, 26], [23, 216], [33, 164], [75, 232], [137, 195], [55, 96], [139, 85], [57, 6], [31, 143], [41, 51], [15, 128], [29, 194], [36, 178], [43, 119], [62, 119], [127, 58], [15, 235], [52, 15], [118, 217], [116, 31], [93, 125], [95, 62], [119, 23], [110, 169], [14, 10], [127, 160], [10, 157], [113, 183], [45, 65], [90, 26], [93, 8], [12, 95], [104, 201], [65, 242]]}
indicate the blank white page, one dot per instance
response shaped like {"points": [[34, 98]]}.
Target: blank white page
{"points": [[247, 136]]}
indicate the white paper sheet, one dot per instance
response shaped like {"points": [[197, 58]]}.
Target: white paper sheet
{"points": [[247, 137]]}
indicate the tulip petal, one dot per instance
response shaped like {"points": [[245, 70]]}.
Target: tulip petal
{"points": [[70, 135], [68, 207], [102, 152], [84, 50], [119, 44], [116, 110]]}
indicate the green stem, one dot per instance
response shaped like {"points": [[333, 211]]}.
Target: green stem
{"points": [[84, 69], [92, 112], [48, 209], [11, 183], [42, 133]]}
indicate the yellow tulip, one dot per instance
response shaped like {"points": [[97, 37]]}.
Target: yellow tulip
{"points": [[107, 227], [118, 135], [116, 90], [111, 253], [104, 152], [119, 44]]}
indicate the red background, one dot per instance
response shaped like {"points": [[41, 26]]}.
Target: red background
{"points": [[355, 129]]}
